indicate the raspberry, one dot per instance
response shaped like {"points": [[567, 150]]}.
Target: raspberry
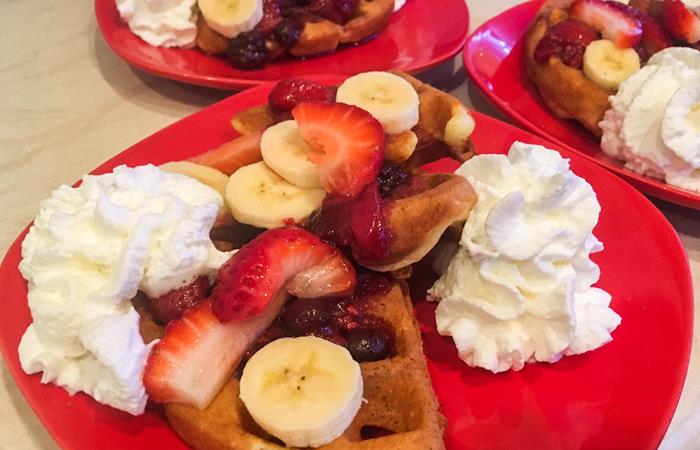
{"points": [[292, 91], [338, 11], [567, 40], [172, 305]]}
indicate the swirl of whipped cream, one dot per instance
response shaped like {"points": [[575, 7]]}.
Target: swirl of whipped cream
{"points": [[518, 289], [90, 250], [167, 23]]}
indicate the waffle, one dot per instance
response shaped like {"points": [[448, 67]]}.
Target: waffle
{"points": [[565, 90], [399, 397], [317, 36]]}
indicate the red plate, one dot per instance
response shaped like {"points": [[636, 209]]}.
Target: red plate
{"points": [[621, 396], [493, 57], [420, 35]]}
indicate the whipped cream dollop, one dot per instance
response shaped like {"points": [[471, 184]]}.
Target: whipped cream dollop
{"points": [[654, 122], [519, 286], [167, 23], [89, 251]]}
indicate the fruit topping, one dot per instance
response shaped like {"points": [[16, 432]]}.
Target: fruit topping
{"points": [[338, 11], [271, 16], [614, 24], [288, 32], [367, 344], [230, 17], [354, 224], [180, 367], [173, 304], [347, 144], [288, 93], [390, 177], [248, 51], [304, 316], [232, 155], [285, 152], [255, 275], [654, 37], [567, 40], [608, 65], [305, 391], [680, 22], [369, 228]]}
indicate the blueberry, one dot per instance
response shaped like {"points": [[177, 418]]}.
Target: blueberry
{"points": [[366, 344], [303, 316], [288, 32]]}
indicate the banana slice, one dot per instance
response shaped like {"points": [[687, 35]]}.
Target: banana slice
{"points": [[231, 17], [285, 152], [305, 391], [608, 65], [258, 196], [388, 97]]}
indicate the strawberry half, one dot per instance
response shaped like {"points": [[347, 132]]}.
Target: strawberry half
{"points": [[612, 23], [198, 353], [654, 38], [680, 22], [347, 141], [255, 275]]}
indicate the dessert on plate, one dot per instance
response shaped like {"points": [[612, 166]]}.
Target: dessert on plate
{"points": [[250, 33], [590, 60], [258, 290]]}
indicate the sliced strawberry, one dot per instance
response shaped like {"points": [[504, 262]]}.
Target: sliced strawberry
{"points": [[172, 305], [258, 272], [612, 23], [289, 92], [654, 38], [232, 155], [348, 144], [272, 16], [369, 228], [568, 40], [198, 354], [681, 23]]}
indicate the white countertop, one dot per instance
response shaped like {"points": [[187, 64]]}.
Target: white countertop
{"points": [[67, 103]]}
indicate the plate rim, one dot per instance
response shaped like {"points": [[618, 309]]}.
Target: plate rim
{"points": [[646, 184], [237, 83], [686, 287]]}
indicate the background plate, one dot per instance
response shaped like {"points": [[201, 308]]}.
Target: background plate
{"points": [[493, 58], [620, 396], [420, 35]]}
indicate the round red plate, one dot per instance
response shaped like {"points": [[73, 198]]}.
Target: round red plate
{"points": [[420, 35], [493, 58], [621, 396]]}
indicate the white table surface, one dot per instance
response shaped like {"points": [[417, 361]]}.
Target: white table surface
{"points": [[67, 103]]}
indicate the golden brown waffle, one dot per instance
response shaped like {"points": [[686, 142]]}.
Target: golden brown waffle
{"points": [[319, 36], [399, 397], [565, 90]]}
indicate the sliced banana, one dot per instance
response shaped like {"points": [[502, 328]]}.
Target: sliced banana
{"points": [[213, 178], [231, 17], [388, 97], [305, 391], [460, 126], [258, 196], [608, 65], [285, 152]]}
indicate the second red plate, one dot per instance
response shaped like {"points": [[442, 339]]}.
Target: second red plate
{"points": [[493, 57], [421, 34]]}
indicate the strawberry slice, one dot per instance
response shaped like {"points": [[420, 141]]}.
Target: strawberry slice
{"points": [[654, 37], [255, 275], [172, 305], [348, 144], [369, 227], [232, 155], [612, 23], [680, 22], [181, 367]]}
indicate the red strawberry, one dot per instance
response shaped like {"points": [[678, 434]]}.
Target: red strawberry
{"points": [[368, 226], [255, 275], [290, 92], [614, 24], [198, 354], [568, 40], [680, 22], [654, 38], [348, 144], [173, 304]]}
